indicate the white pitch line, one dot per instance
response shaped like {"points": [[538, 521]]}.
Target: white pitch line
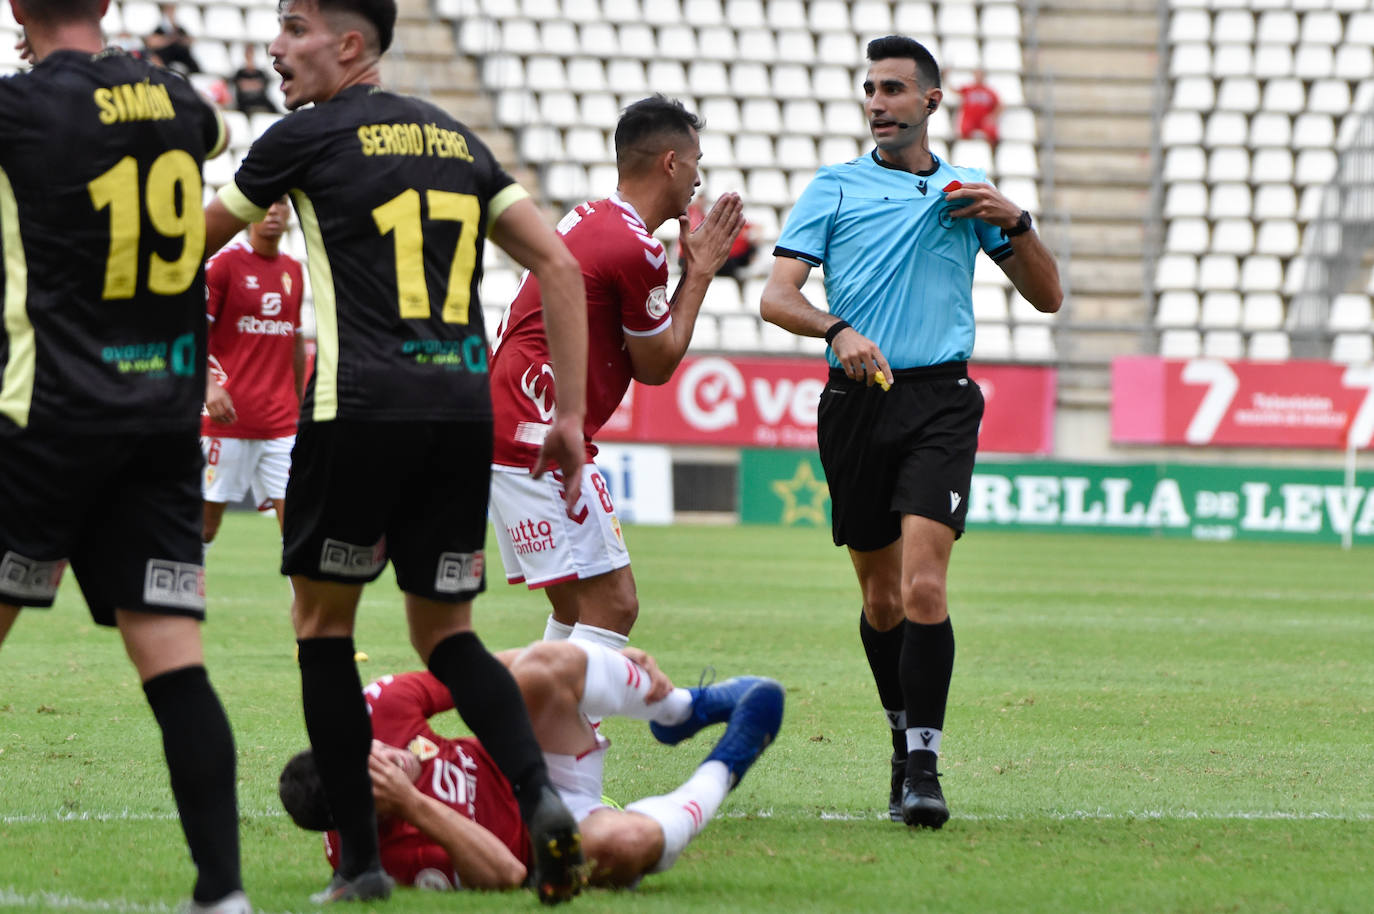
{"points": [[125, 815], [11, 897], [1105, 815]]}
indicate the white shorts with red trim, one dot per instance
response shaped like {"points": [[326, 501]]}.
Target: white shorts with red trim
{"points": [[540, 545], [235, 465]]}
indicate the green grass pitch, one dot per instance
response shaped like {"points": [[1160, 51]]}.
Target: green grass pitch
{"points": [[1135, 725]]}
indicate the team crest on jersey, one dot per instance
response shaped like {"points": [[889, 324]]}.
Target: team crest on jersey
{"points": [[250, 282], [423, 749], [657, 302], [286, 283]]}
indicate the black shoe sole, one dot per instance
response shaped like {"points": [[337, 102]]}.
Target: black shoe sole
{"points": [[925, 815], [560, 870]]}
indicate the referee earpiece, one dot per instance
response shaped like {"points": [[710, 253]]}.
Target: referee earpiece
{"points": [[932, 105]]}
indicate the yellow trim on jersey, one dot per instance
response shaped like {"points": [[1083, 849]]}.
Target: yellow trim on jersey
{"points": [[221, 137], [512, 194], [16, 386], [242, 208], [326, 311]]}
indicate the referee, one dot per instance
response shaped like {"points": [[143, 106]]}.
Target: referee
{"points": [[392, 460], [897, 232]]}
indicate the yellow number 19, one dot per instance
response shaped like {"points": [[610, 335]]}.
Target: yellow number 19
{"points": [[173, 198], [401, 215]]}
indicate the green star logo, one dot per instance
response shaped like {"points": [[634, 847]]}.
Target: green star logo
{"points": [[803, 497]]}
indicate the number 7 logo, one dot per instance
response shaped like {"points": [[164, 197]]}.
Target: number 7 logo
{"points": [[1222, 385]]}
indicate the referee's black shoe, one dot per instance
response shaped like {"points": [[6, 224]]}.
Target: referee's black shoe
{"points": [[559, 871], [923, 803], [894, 796]]}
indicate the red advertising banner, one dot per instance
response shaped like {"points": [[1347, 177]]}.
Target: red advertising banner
{"points": [[771, 402], [1305, 404]]}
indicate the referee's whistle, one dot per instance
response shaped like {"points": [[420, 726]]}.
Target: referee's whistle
{"points": [[882, 380]]}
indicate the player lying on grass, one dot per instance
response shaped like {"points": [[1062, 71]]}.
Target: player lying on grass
{"points": [[447, 817]]}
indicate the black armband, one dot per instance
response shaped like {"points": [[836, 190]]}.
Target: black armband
{"points": [[835, 329]]}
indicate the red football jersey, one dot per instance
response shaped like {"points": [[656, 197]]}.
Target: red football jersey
{"points": [[976, 100], [254, 306], [456, 772], [625, 269]]}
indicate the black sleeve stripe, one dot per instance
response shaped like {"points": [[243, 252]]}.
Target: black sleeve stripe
{"points": [[797, 255], [1001, 253]]}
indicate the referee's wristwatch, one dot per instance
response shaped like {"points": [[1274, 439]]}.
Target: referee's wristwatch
{"points": [[1023, 225]]}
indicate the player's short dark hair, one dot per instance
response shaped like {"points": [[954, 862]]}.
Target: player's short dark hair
{"points": [[891, 46], [380, 13], [650, 126], [302, 793], [55, 12]]}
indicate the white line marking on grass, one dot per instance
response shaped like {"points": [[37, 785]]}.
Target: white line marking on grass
{"points": [[124, 815], [29, 901], [1102, 815]]}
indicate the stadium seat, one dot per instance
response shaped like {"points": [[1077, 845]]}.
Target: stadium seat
{"points": [[1352, 348], [992, 343], [1269, 346], [1229, 200], [1261, 273], [1273, 60], [588, 145], [1238, 93], [545, 73], [791, 81], [873, 17], [1286, 95], [1023, 312], [516, 107], [1180, 128], [717, 148], [835, 84], [1194, 94], [1233, 236], [768, 186], [1225, 128], [583, 11], [1228, 163], [1177, 308], [634, 40], [1353, 62], [1236, 25], [836, 149], [702, 13], [739, 332], [722, 116], [627, 76], [1272, 166], [748, 79], [1185, 198], [744, 13], [1277, 27], [1221, 309], [1321, 27], [622, 10], [1012, 158], [599, 109], [662, 12], [774, 339], [1223, 344], [1217, 272], [796, 151], [541, 144], [913, 17], [796, 46], [989, 304], [677, 42], [567, 183], [1278, 237], [559, 109], [1179, 343], [1033, 342], [761, 115], [1232, 60], [1315, 166], [1261, 311], [1176, 271], [705, 334], [753, 150], [668, 77], [973, 153], [1270, 128], [1329, 96], [1359, 29], [723, 297], [1017, 123], [1275, 201], [1350, 311], [1187, 236]]}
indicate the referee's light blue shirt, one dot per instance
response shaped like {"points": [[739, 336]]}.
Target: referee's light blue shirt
{"points": [[898, 268]]}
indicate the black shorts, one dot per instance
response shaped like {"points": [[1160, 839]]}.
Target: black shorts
{"points": [[361, 493], [908, 450], [125, 510]]}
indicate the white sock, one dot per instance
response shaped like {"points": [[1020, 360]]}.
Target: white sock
{"points": [[556, 631], [927, 738], [616, 685], [683, 813], [584, 632]]}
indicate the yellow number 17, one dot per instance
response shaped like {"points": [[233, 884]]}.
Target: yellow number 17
{"points": [[401, 215]]}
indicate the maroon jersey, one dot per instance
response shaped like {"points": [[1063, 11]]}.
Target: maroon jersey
{"points": [[456, 772], [625, 269], [254, 306]]}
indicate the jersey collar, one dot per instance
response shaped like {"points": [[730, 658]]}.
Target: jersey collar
{"points": [[934, 167], [625, 205]]}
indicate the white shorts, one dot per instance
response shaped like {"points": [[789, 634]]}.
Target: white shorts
{"points": [[578, 778], [539, 544], [234, 465]]}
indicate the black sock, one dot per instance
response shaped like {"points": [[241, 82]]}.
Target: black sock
{"points": [[199, 747], [927, 666], [884, 650], [341, 737], [488, 700]]}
